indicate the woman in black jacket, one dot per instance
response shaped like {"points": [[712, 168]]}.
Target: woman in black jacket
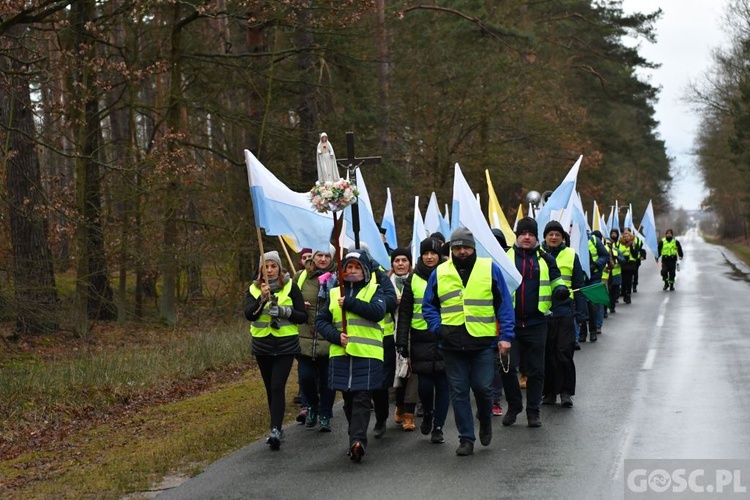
{"points": [[275, 307], [414, 341]]}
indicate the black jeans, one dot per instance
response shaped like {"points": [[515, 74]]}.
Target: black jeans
{"points": [[559, 369], [357, 411], [275, 372], [668, 269], [532, 342], [627, 283], [313, 375]]}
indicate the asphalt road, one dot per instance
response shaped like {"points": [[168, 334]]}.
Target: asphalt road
{"points": [[667, 380]]}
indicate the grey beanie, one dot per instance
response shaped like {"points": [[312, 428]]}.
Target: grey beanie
{"points": [[274, 256], [462, 237]]}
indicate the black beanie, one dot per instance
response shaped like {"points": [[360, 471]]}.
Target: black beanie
{"points": [[401, 251], [430, 245], [500, 237], [597, 233], [553, 225], [462, 237], [527, 224], [438, 236]]}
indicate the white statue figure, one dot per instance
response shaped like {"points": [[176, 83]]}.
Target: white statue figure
{"points": [[327, 168]]}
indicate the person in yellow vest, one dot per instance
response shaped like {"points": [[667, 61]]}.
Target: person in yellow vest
{"points": [[405, 387], [669, 251], [540, 281], [468, 306], [312, 362], [356, 352], [559, 368], [275, 309], [415, 342], [615, 276], [640, 252], [632, 257]]}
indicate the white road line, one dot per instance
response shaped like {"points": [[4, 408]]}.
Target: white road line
{"points": [[650, 358]]}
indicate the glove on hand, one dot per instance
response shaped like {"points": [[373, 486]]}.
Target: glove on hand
{"points": [[403, 351], [562, 293], [274, 311], [285, 311]]}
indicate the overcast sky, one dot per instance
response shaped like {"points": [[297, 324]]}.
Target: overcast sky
{"points": [[686, 34]]}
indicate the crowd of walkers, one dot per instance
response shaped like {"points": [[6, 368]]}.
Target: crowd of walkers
{"points": [[428, 334]]}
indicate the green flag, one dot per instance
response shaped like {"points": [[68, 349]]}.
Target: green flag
{"points": [[596, 293]]}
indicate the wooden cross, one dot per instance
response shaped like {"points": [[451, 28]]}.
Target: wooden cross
{"points": [[351, 163]]}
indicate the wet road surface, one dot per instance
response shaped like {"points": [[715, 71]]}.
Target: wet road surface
{"points": [[668, 378]]}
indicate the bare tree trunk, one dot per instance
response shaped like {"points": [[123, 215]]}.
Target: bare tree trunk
{"points": [[194, 275], [308, 110], [35, 292], [169, 264], [384, 75], [93, 291]]}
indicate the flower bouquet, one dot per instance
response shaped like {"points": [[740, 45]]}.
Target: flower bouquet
{"points": [[333, 196]]}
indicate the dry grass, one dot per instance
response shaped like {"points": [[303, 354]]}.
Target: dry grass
{"points": [[114, 414]]}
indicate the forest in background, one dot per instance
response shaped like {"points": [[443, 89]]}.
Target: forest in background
{"points": [[123, 122]]}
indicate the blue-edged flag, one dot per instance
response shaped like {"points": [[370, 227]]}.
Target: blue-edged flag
{"points": [[369, 232], [281, 211], [389, 221], [418, 231], [466, 212], [559, 199], [648, 228]]}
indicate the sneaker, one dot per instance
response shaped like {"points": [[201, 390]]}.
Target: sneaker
{"points": [[549, 399], [666, 285], [576, 346], [671, 288], [325, 424], [566, 400], [510, 417], [397, 417], [437, 435], [302, 415], [534, 419], [312, 418], [485, 432], [356, 452], [592, 337], [635, 290], [497, 410], [426, 425], [274, 439], [379, 430], [466, 448]]}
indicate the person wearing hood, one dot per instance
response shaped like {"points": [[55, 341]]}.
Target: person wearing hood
{"points": [[356, 351], [559, 367], [669, 251], [415, 342], [540, 283], [468, 306], [315, 282], [275, 307]]}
